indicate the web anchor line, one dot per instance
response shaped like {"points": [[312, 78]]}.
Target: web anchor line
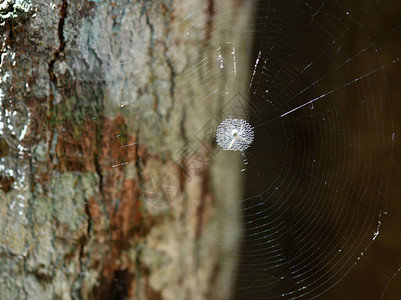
{"points": [[335, 90]]}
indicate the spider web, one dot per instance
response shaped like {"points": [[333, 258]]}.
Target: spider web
{"points": [[321, 212]]}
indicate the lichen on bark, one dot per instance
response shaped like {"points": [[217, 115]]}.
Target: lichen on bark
{"points": [[10, 9]]}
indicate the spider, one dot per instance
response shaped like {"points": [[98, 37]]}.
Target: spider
{"points": [[234, 135]]}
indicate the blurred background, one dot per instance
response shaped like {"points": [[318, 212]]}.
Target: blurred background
{"points": [[322, 201]]}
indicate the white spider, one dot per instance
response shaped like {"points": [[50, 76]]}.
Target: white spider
{"points": [[234, 135]]}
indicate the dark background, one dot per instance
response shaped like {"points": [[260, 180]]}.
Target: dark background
{"points": [[325, 178]]}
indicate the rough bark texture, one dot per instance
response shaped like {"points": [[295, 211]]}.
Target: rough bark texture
{"points": [[73, 217]]}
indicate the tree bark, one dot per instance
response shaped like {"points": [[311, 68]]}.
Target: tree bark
{"points": [[95, 101]]}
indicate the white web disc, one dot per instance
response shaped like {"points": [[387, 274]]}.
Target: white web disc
{"points": [[234, 135]]}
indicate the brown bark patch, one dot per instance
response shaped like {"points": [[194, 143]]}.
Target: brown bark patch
{"points": [[75, 152], [6, 183], [4, 148], [120, 197], [118, 146], [125, 221]]}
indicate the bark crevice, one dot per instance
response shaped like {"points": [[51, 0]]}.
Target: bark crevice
{"points": [[61, 40]]}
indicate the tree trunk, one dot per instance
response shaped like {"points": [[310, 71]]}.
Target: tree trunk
{"points": [[106, 191]]}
